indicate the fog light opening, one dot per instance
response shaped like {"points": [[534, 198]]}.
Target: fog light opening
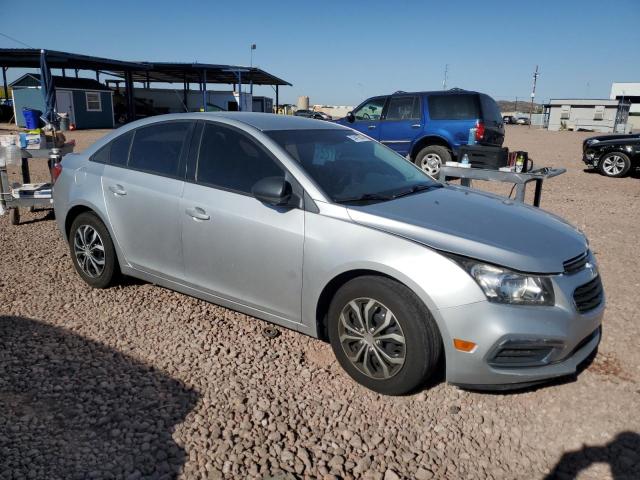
{"points": [[464, 345]]}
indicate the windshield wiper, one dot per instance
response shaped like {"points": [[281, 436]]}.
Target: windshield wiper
{"points": [[416, 189], [366, 197]]}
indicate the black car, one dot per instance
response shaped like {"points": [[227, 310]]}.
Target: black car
{"points": [[612, 155], [509, 119]]}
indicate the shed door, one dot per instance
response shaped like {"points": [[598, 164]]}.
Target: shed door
{"points": [[64, 101]]}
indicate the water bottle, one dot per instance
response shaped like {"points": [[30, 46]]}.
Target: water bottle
{"points": [[465, 159], [472, 137]]}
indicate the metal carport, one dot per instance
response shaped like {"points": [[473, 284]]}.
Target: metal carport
{"points": [[201, 74]]}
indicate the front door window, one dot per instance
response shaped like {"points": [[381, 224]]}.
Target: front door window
{"points": [[371, 109]]}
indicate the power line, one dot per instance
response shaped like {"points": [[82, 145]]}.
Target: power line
{"points": [[16, 40]]}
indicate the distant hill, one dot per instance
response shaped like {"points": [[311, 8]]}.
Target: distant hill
{"points": [[523, 106]]}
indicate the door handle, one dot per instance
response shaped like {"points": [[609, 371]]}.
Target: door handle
{"points": [[371, 127], [416, 125], [118, 190], [197, 213]]}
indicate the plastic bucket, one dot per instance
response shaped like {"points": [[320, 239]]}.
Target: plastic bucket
{"points": [[31, 118]]}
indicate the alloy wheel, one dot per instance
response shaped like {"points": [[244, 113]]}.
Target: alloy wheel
{"points": [[89, 250], [372, 338], [613, 165]]}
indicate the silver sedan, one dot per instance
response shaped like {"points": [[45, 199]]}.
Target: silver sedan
{"points": [[318, 228]]}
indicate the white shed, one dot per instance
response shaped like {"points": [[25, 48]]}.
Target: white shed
{"points": [[597, 115]]}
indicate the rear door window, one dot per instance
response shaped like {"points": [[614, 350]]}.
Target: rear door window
{"points": [[120, 150], [454, 107], [102, 155], [405, 107], [158, 148], [231, 160]]}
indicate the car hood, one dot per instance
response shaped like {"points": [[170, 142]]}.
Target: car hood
{"points": [[614, 139], [478, 225]]}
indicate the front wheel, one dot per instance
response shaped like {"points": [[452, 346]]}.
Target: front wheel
{"points": [[614, 164], [92, 251], [383, 335], [431, 158]]}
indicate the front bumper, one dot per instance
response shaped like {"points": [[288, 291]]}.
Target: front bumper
{"points": [[571, 337], [590, 158]]}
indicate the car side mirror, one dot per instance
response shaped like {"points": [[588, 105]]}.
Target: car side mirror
{"points": [[274, 191], [350, 117]]}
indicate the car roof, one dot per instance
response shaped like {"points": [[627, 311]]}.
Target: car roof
{"points": [[261, 121], [270, 121], [452, 91]]}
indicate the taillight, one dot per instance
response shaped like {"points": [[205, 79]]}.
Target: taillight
{"points": [[479, 131], [56, 170]]}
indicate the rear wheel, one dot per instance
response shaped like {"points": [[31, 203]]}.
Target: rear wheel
{"points": [[92, 251], [614, 164], [383, 335], [431, 158]]}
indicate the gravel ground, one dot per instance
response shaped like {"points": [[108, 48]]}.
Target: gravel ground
{"points": [[141, 382]]}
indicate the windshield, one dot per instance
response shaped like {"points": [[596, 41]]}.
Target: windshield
{"points": [[350, 167]]}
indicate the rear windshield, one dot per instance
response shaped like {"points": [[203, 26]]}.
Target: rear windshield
{"points": [[454, 107], [490, 109]]}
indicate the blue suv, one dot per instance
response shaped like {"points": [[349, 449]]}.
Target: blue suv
{"points": [[429, 127]]}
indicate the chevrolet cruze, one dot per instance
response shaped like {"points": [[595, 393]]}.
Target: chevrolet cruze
{"points": [[318, 228]]}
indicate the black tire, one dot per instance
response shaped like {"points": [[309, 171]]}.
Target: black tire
{"points": [[614, 165], [423, 343], [431, 158], [110, 271]]}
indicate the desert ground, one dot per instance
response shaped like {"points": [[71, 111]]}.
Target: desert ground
{"points": [[137, 381]]}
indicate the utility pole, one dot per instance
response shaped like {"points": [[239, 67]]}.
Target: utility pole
{"points": [[444, 81], [516, 106], [533, 93]]}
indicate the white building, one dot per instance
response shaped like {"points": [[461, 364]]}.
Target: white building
{"points": [[596, 115], [629, 92]]}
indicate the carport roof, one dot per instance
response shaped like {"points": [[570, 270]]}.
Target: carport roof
{"points": [[141, 71]]}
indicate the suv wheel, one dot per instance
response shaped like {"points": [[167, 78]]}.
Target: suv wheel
{"points": [[92, 251], [383, 335], [614, 164], [431, 158]]}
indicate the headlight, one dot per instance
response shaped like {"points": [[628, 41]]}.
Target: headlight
{"points": [[505, 286], [592, 141]]}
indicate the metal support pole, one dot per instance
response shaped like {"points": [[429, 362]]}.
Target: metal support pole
{"points": [[277, 99], [97, 75], [128, 85], [76, 72], [4, 81], [239, 91], [185, 85], [148, 82], [204, 90], [64, 72]]}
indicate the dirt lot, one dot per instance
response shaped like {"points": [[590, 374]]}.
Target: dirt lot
{"points": [[138, 381]]}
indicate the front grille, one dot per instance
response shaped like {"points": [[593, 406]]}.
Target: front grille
{"points": [[576, 264], [588, 296]]}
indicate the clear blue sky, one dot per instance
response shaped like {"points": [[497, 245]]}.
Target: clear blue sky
{"points": [[340, 52]]}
